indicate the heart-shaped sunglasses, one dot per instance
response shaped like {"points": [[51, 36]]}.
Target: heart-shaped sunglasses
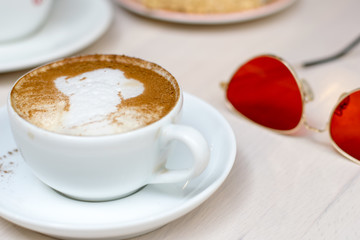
{"points": [[267, 91]]}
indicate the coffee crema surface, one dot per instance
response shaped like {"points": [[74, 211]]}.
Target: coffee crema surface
{"points": [[95, 95]]}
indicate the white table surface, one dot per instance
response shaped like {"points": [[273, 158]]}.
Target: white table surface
{"points": [[281, 187]]}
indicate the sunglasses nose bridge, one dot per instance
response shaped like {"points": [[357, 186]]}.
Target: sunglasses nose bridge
{"points": [[306, 90], [314, 129]]}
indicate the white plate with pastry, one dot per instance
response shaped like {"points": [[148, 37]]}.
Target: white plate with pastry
{"points": [[180, 11]]}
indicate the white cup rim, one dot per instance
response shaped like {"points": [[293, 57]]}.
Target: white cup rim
{"points": [[134, 133]]}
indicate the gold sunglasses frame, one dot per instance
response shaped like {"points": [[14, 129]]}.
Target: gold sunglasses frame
{"points": [[306, 96]]}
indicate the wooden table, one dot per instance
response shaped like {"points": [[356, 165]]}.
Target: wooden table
{"points": [[281, 187]]}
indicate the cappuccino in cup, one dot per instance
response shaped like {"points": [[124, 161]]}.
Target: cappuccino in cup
{"points": [[99, 127], [94, 95]]}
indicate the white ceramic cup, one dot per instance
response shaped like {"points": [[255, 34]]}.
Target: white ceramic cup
{"points": [[19, 18], [98, 168]]}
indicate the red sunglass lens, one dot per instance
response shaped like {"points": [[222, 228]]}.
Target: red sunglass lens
{"points": [[265, 91], [345, 125]]}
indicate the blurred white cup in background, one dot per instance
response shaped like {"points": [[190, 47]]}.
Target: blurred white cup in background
{"points": [[20, 18]]}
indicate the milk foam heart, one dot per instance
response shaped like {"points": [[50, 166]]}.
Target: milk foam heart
{"points": [[94, 96]]}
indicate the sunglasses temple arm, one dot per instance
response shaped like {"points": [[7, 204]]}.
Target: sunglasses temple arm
{"points": [[335, 56]]}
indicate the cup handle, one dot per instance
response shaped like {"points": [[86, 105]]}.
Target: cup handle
{"points": [[197, 146]]}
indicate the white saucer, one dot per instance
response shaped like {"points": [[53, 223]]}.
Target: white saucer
{"points": [[225, 18], [29, 203], [72, 25]]}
